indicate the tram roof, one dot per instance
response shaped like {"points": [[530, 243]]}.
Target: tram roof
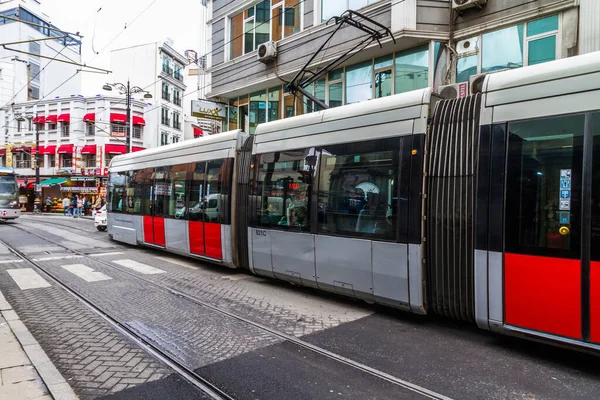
{"points": [[204, 148], [7, 170]]}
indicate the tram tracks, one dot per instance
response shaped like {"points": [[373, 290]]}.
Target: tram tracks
{"points": [[187, 372]]}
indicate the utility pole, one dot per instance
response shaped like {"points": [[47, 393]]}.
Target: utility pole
{"points": [[128, 94], [37, 202]]}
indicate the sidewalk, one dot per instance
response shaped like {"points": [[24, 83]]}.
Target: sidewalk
{"points": [[26, 372]]}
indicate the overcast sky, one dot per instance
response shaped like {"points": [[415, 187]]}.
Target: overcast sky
{"points": [[176, 19]]}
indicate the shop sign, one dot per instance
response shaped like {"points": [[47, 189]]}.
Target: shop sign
{"points": [[208, 109], [64, 171], [118, 134], [79, 189]]}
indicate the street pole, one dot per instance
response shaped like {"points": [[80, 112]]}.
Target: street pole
{"points": [[37, 165], [128, 94]]}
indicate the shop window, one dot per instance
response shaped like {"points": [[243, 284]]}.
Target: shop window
{"points": [[233, 114], [383, 76], [283, 184], [274, 104], [52, 160], [66, 160], [359, 78], [334, 8], [257, 111], [358, 189], [411, 71], [21, 160], [261, 23]]}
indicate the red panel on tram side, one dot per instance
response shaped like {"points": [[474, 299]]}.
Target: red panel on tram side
{"points": [[196, 236], [543, 294], [213, 240], [159, 232], [595, 301], [148, 230]]}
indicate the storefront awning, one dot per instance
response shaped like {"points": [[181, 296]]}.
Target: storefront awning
{"points": [[115, 149], [40, 150], [53, 181], [51, 119], [139, 121], [118, 118], [88, 149], [49, 150], [198, 132], [39, 120], [65, 149], [134, 149], [64, 118], [89, 117], [2, 152], [21, 149]]}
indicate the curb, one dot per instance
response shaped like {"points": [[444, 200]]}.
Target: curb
{"points": [[54, 381]]}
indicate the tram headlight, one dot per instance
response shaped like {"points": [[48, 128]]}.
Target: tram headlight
{"points": [[13, 203]]}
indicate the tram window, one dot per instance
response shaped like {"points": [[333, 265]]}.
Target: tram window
{"points": [[544, 186], [162, 191], [595, 256], [196, 199], [215, 199], [358, 189], [283, 184], [178, 185], [116, 191], [134, 192], [147, 181]]}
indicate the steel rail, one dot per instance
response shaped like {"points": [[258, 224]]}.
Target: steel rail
{"points": [[299, 342]]}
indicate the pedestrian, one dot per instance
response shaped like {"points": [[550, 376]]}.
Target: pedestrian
{"points": [[48, 204], [98, 203], [86, 205], [74, 206], [66, 202], [79, 206]]}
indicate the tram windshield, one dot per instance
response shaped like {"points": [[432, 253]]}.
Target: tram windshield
{"points": [[8, 185]]}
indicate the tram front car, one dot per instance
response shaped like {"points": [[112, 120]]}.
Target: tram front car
{"points": [[9, 194]]}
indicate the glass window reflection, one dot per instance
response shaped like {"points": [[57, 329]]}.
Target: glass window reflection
{"points": [[502, 49], [412, 69], [358, 82]]}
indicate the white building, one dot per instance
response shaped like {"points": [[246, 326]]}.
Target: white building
{"points": [[157, 68], [78, 137], [26, 77]]}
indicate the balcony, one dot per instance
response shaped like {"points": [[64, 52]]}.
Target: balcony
{"points": [[177, 75], [167, 70], [165, 96]]}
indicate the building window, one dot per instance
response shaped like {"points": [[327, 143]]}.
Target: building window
{"points": [[359, 78], [383, 78], [21, 160], [274, 104], [52, 160], [164, 117], [40, 161], [175, 139], [411, 69], [177, 97], [164, 138], [526, 44], [335, 87], [90, 129], [166, 66], [108, 158], [138, 132], [257, 110], [263, 22], [165, 92], [177, 72], [119, 130], [29, 124], [66, 160], [176, 122], [65, 129], [51, 126], [90, 160], [34, 93], [334, 8]]}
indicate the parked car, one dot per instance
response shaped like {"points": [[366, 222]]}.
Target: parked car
{"points": [[100, 219]]}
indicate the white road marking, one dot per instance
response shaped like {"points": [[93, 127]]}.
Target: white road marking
{"points": [[178, 262], [10, 261], [237, 277], [114, 253], [139, 267], [55, 258], [27, 278], [86, 273]]}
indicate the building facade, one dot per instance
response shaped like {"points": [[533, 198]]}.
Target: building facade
{"points": [[78, 137], [437, 44], [25, 77], [159, 69]]}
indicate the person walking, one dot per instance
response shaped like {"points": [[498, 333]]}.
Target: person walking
{"points": [[79, 206], [48, 204], [66, 202], [85, 205]]}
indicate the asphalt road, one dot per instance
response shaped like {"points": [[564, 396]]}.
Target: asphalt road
{"points": [[451, 359]]}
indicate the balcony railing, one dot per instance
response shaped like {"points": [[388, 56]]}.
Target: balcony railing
{"points": [[165, 121], [177, 101], [165, 96], [167, 70], [177, 75], [177, 125]]}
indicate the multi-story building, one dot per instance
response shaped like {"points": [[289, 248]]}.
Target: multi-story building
{"points": [[437, 43], [34, 76], [78, 137], [159, 69]]}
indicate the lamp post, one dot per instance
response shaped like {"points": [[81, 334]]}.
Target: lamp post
{"points": [[127, 90], [37, 202]]}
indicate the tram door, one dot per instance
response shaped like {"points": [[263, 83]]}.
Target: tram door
{"points": [[206, 202], [157, 194], [552, 228]]}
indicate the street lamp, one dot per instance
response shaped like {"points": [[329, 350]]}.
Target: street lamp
{"points": [[127, 91]]}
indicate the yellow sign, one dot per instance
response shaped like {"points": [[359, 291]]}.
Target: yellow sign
{"points": [[208, 109]]}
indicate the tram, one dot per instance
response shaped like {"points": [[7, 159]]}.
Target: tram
{"points": [[9, 194], [484, 208]]}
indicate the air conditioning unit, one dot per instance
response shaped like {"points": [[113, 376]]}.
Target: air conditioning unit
{"points": [[464, 4], [454, 91], [267, 51], [476, 83]]}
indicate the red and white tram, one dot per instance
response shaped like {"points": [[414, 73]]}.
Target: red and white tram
{"points": [[484, 208]]}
